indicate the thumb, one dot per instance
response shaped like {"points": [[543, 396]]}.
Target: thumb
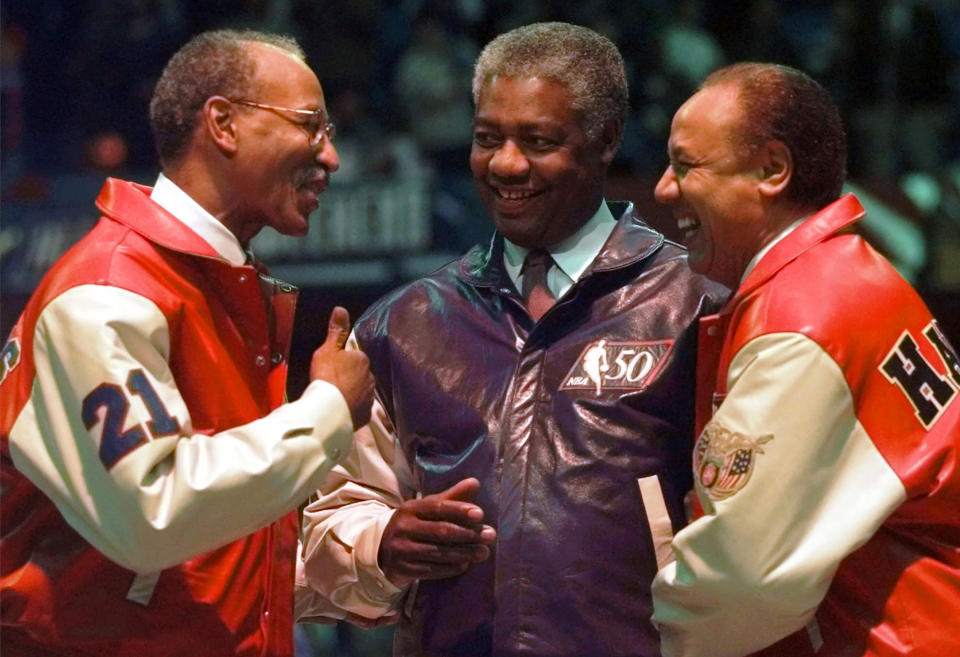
{"points": [[338, 328]]}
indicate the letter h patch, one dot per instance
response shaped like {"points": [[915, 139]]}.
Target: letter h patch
{"points": [[928, 391]]}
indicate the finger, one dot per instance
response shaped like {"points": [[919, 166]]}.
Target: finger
{"points": [[431, 571], [457, 555], [488, 535], [338, 328], [433, 509], [446, 534], [411, 552], [464, 490], [445, 555]]}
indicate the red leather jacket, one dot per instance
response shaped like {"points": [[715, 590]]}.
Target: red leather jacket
{"points": [[60, 595], [828, 472]]}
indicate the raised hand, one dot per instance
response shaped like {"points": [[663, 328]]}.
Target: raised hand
{"points": [[348, 370], [436, 536]]}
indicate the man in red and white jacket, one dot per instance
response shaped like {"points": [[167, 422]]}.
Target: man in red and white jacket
{"points": [[828, 472], [150, 467]]}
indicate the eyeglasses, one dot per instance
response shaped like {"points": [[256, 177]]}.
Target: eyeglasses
{"points": [[317, 125]]}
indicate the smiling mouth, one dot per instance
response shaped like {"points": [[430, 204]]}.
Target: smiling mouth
{"points": [[315, 184], [515, 194], [310, 191], [688, 226]]}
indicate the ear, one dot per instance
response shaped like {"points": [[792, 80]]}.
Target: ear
{"points": [[610, 139], [218, 116], [776, 168]]}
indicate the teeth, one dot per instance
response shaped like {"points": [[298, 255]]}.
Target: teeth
{"points": [[687, 223], [515, 195]]}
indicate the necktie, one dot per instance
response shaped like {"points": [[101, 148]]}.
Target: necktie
{"points": [[535, 292]]}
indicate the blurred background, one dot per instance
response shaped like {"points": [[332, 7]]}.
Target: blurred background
{"points": [[77, 76]]}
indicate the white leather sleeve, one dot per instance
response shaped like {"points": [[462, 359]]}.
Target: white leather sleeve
{"points": [[171, 497], [343, 525], [755, 567]]}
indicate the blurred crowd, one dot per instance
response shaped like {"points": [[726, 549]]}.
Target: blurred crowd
{"points": [[77, 75]]}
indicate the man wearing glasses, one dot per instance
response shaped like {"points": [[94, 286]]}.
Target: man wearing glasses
{"points": [[150, 467]]}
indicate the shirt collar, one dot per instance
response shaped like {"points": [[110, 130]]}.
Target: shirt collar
{"points": [[168, 195], [762, 252], [574, 254]]}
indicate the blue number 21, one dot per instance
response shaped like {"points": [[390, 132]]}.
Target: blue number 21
{"points": [[115, 442]]}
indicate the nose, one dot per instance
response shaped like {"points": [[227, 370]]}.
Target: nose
{"points": [[509, 161], [667, 189], [327, 155]]}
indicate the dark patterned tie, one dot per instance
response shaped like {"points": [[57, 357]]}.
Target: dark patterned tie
{"points": [[535, 292]]}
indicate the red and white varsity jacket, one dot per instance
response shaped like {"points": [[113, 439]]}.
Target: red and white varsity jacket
{"points": [[150, 468], [829, 473]]}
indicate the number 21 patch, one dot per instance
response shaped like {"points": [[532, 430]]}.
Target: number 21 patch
{"points": [[108, 404]]}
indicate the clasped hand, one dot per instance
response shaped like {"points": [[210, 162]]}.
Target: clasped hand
{"points": [[436, 536]]}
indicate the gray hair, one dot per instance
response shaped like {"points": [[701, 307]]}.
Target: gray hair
{"points": [[212, 63], [585, 62]]}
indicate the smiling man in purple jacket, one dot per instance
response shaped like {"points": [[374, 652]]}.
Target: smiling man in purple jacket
{"points": [[524, 472]]}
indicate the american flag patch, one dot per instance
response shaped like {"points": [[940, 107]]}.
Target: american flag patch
{"points": [[723, 459]]}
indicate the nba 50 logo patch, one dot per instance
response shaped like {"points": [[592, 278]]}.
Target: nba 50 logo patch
{"points": [[611, 365]]}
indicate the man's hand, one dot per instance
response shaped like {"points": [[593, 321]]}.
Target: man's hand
{"points": [[348, 370], [435, 537]]}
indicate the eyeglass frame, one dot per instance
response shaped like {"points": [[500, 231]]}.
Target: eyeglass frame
{"points": [[325, 128]]}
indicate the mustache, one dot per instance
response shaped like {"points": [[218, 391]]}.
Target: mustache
{"points": [[313, 175]]}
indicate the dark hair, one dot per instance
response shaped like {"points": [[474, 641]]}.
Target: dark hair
{"points": [[585, 62], [780, 102], [211, 63]]}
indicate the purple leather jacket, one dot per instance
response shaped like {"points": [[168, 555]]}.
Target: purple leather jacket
{"points": [[578, 426]]}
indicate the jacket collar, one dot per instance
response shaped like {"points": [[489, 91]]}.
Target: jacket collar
{"points": [[829, 221], [631, 241], [129, 204]]}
